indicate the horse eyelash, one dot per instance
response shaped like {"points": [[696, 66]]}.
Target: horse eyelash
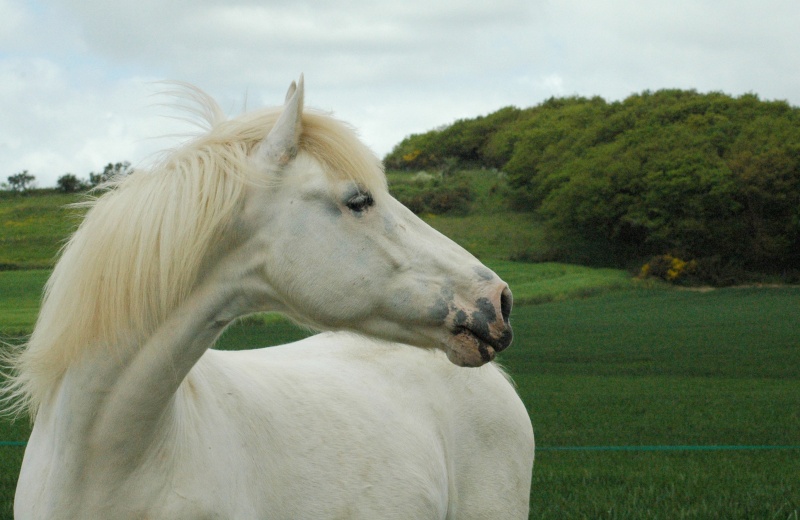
{"points": [[360, 202]]}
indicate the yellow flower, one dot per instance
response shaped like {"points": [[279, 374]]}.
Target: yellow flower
{"points": [[409, 157]]}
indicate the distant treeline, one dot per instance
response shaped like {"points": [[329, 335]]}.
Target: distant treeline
{"points": [[706, 177], [25, 182]]}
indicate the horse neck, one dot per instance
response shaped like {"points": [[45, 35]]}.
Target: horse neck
{"points": [[125, 281], [118, 402]]}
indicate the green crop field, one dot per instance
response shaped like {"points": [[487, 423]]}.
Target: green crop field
{"points": [[20, 292]]}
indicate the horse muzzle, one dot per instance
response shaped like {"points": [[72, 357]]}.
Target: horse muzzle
{"points": [[478, 333]]}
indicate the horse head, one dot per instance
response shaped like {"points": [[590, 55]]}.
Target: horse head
{"points": [[321, 239]]}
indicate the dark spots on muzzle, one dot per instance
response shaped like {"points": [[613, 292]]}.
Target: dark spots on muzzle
{"points": [[460, 318], [484, 273], [482, 319], [443, 306], [486, 321], [484, 352], [438, 311], [505, 340], [486, 309], [479, 326]]}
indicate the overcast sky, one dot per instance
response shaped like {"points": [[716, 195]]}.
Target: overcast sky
{"points": [[77, 76]]}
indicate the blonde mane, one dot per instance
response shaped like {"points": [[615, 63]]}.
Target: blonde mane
{"points": [[143, 244]]}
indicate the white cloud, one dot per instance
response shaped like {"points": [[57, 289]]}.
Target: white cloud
{"points": [[74, 76], [63, 129]]}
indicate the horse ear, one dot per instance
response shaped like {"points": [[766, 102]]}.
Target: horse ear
{"points": [[292, 90], [280, 146]]}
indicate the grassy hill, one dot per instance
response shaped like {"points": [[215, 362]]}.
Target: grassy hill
{"points": [[33, 226]]}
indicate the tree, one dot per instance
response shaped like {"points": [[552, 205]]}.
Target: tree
{"points": [[111, 171], [21, 182], [69, 183]]}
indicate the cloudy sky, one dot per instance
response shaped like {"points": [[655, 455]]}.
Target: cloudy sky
{"points": [[78, 77]]}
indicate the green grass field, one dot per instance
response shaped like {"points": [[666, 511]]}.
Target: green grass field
{"points": [[606, 362], [20, 293], [637, 367]]}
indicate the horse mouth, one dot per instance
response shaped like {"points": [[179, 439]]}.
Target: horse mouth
{"points": [[475, 348]]}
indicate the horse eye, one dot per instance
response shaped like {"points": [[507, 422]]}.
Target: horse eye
{"points": [[360, 202]]}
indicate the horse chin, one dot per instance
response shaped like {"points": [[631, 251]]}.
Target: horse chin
{"points": [[466, 350]]}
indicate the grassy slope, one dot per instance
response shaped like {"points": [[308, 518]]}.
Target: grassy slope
{"points": [[33, 227]]}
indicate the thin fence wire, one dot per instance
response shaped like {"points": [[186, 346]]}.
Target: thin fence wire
{"points": [[608, 448], [668, 448]]}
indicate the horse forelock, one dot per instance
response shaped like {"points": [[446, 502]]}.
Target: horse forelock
{"points": [[142, 245]]}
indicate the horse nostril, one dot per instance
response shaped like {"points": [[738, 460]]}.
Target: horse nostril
{"points": [[506, 302]]}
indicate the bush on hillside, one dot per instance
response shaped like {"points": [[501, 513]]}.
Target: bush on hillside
{"points": [[668, 268], [703, 176], [70, 183], [434, 194], [465, 141]]}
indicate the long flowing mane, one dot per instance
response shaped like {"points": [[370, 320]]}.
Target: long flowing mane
{"points": [[145, 242]]}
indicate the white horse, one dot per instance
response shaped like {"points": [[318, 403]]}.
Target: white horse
{"points": [[277, 210]]}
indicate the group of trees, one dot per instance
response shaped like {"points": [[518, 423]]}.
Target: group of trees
{"points": [[69, 182], [20, 182], [699, 176]]}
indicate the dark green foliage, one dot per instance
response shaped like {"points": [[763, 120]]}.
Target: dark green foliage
{"points": [[436, 195], [69, 183], [706, 177], [110, 171], [20, 182], [466, 141]]}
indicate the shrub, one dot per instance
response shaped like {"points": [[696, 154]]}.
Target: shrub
{"points": [[713, 270], [69, 183], [427, 194], [668, 268]]}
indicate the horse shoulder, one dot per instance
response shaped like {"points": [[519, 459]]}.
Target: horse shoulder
{"points": [[317, 412], [374, 429]]}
